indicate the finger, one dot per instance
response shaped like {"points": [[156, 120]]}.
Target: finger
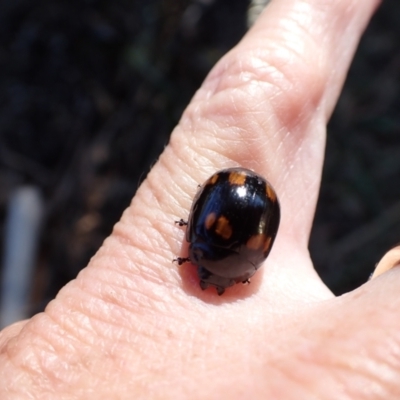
{"points": [[266, 104], [265, 107], [390, 260], [11, 331]]}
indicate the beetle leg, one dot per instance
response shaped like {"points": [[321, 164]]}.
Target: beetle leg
{"points": [[181, 260], [220, 290], [204, 285], [246, 282], [181, 222]]}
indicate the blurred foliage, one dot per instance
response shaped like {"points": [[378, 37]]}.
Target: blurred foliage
{"points": [[89, 93], [358, 214]]}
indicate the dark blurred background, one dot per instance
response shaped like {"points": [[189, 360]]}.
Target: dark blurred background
{"points": [[90, 91]]}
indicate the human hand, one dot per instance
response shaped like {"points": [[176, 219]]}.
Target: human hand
{"points": [[134, 325]]}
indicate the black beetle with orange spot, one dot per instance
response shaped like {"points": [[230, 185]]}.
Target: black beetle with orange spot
{"points": [[231, 228]]}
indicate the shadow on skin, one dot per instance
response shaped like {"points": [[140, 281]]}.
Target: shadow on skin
{"points": [[191, 283]]}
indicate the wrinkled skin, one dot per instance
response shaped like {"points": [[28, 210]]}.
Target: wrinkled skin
{"points": [[134, 326]]}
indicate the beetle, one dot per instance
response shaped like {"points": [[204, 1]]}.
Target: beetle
{"points": [[231, 227]]}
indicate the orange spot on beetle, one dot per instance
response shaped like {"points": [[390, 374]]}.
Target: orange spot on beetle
{"points": [[267, 244], [210, 219], [223, 228], [237, 178], [256, 242], [213, 180], [271, 193]]}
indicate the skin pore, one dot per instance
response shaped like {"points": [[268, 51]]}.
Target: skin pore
{"points": [[134, 325]]}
